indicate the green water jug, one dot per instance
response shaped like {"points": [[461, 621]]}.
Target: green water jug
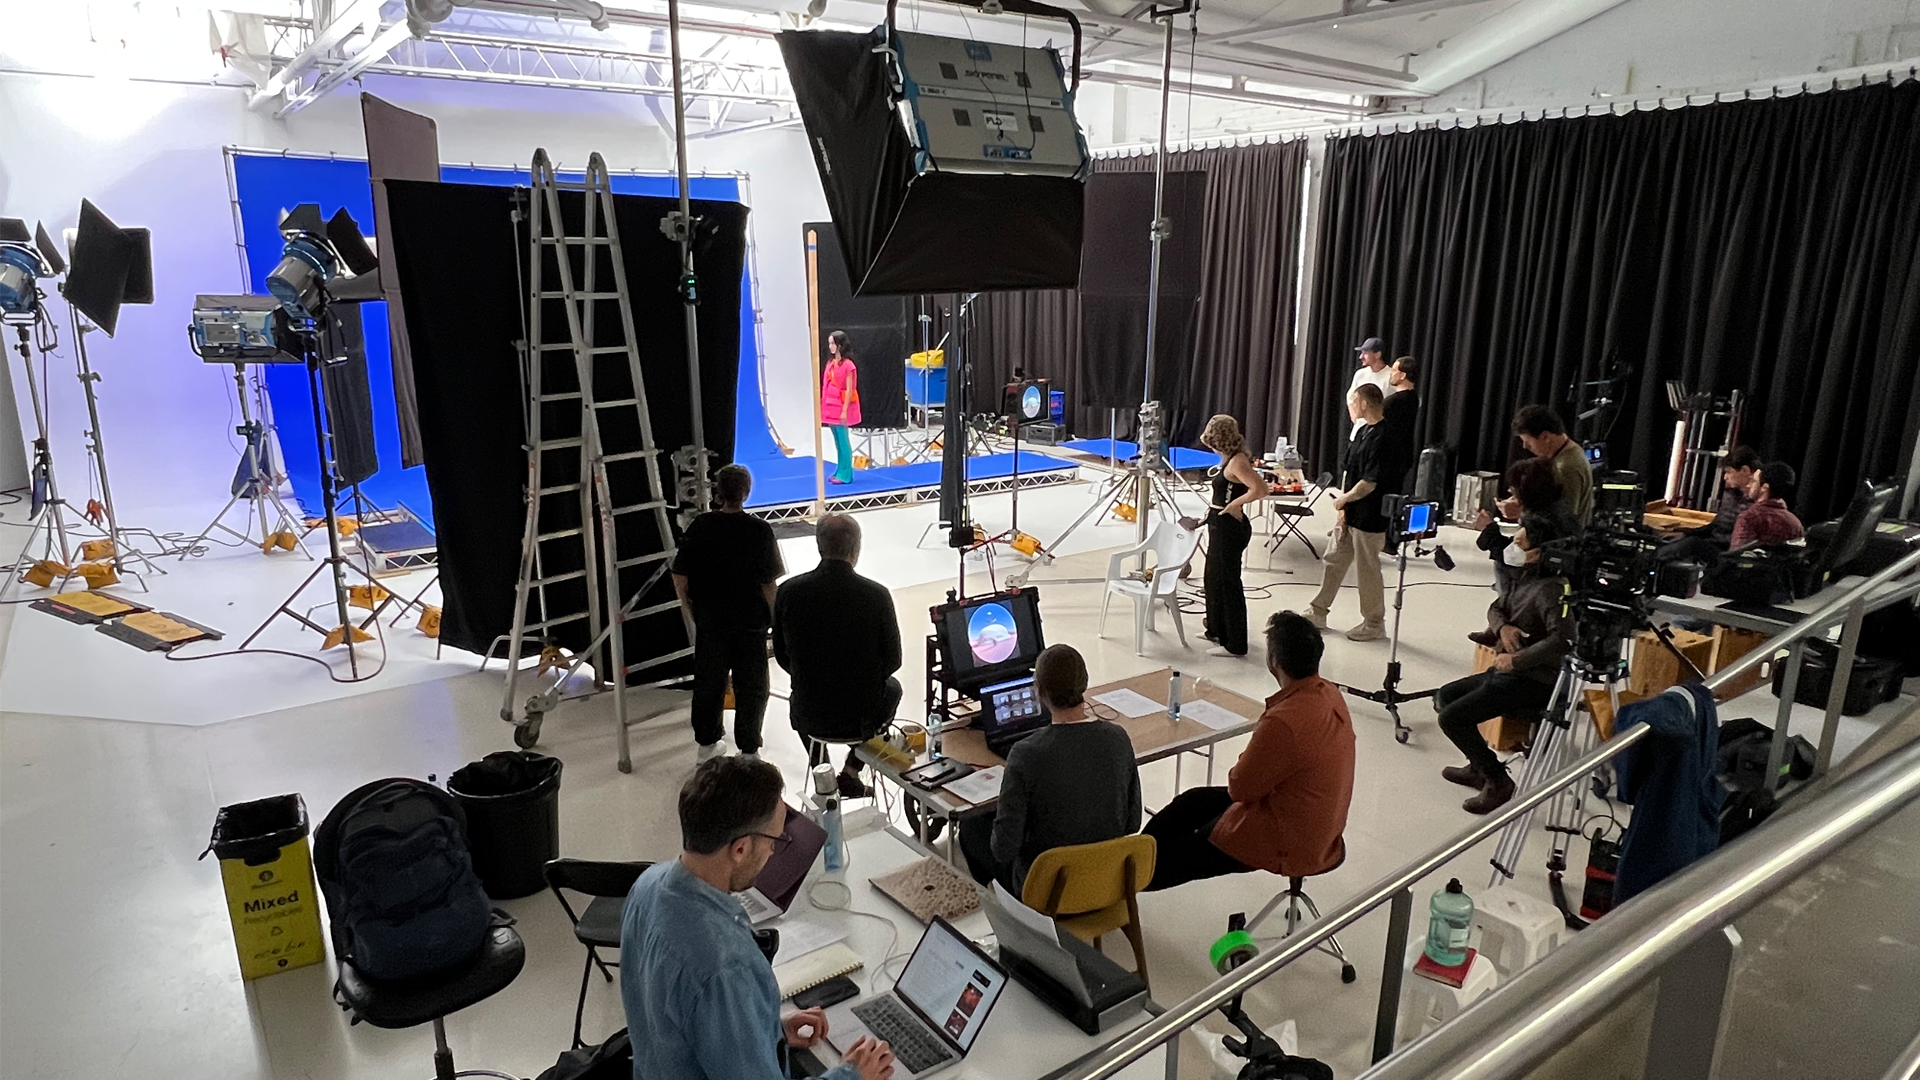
{"points": [[1452, 921]]}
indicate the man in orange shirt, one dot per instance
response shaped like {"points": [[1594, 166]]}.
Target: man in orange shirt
{"points": [[1285, 804]]}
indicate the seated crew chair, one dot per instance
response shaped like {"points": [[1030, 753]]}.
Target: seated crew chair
{"points": [[429, 999], [1172, 548], [1296, 897], [1091, 890], [597, 924], [1288, 517]]}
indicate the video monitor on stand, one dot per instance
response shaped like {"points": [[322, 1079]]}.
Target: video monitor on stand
{"points": [[980, 644]]}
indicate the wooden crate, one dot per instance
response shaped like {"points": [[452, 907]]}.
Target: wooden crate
{"points": [[1730, 644], [1653, 668], [1501, 733]]}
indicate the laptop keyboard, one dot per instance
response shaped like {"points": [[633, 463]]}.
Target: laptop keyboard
{"points": [[913, 1045]]}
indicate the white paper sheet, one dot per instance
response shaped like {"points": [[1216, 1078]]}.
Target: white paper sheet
{"points": [[799, 937], [758, 908], [1129, 704], [1025, 915], [981, 785], [1210, 715]]}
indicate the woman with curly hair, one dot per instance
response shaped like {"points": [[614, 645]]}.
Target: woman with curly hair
{"points": [[1236, 485]]}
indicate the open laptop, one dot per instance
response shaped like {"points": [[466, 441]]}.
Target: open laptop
{"points": [[773, 892], [934, 1012], [1010, 711]]}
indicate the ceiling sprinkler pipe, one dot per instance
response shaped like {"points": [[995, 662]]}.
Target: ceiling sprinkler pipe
{"points": [[596, 14]]}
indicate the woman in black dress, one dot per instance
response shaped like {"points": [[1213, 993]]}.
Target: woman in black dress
{"points": [[1236, 485]]}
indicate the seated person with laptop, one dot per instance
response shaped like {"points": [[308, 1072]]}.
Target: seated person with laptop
{"points": [[1704, 543], [700, 997], [1285, 803], [933, 1014], [1073, 781], [835, 634]]}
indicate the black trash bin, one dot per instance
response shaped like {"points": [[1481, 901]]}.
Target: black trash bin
{"points": [[512, 801]]}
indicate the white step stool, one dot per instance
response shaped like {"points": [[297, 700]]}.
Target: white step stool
{"points": [[1515, 929], [1425, 1004]]}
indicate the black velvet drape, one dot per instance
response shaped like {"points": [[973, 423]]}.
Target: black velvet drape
{"points": [[1245, 324], [1771, 246]]}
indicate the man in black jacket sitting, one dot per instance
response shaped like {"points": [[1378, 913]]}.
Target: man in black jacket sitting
{"points": [[835, 633]]}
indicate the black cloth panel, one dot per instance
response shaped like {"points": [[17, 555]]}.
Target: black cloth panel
{"points": [[878, 329], [1238, 361], [1115, 271], [349, 396], [1770, 246], [456, 251]]}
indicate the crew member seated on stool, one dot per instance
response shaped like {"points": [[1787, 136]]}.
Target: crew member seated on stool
{"points": [[700, 997], [1360, 534], [835, 633], [1285, 803], [1766, 520], [1737, 472], [1533, 630], [1072, 782]]}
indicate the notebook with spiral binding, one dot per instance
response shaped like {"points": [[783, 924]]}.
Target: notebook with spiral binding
{"points": [[805, 972]]}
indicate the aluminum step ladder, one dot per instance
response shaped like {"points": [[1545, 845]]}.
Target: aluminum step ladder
{"points": [[577, 527]]}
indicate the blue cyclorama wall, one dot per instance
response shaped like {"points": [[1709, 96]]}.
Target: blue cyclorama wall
{"points": [[266, 184]]}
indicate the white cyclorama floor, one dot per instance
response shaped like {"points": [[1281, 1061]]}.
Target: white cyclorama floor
{"points": [[115, 953]]}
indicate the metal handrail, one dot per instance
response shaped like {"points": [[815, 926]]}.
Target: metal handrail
{"points": [[1141, 1041]]}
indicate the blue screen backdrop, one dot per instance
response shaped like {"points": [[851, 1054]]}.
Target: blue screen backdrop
{"points": [[266, 184]]}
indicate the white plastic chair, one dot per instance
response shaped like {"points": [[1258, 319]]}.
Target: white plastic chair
{"points": [[1172, 548]]}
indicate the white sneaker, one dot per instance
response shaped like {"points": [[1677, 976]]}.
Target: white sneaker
{"points": [[1222, 650], [1367, 632], [710, 751], [1317, 617], [753, 757]]}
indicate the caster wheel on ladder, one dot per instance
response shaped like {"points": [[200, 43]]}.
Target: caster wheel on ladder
{"points": [[527, 735]]}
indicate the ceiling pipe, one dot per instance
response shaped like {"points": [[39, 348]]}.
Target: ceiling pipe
{"points": [[1496, 40]]}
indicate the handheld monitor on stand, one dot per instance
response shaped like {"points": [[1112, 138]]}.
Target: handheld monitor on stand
{"points": [[984, 647]]}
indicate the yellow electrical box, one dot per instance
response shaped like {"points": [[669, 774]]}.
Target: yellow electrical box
{"points": [[931, 358], [266, 868]]}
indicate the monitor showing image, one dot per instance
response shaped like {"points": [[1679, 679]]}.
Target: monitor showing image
{"points": [[990, 638]]}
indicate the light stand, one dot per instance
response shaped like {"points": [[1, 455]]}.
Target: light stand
{"points": [[255, 487], [679, 226], [46, 524], [121, 552]]}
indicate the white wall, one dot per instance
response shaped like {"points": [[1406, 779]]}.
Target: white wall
{"points": [[151, 154], [1653, 48]]}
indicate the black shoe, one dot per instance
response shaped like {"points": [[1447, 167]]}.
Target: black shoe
{"points": [[1464, 775], [851, 787], [1486, 638], [1492, 797]]}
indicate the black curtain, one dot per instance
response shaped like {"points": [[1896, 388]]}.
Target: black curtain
{"points": [[1244, 326], [457, 251], [1771, 246]]}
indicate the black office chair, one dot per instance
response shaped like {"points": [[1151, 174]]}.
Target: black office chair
{"points": [[1287, 517], [597, 925], [429, 999]]}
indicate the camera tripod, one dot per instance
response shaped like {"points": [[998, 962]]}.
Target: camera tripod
{"points": [[1559, 741], [1390, 694]]}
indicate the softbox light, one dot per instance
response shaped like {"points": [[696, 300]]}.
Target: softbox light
{"points": [[944, 186]]}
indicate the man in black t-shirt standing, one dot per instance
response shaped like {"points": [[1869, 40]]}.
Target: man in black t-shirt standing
{"points": [[1399, 439], [1361, 531], [725, 572]]}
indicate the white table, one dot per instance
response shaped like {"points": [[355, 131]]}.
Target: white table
{"points": [[1023, 1038]]}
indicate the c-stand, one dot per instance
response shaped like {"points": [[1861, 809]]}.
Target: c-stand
{"points": [[1390, 693]]}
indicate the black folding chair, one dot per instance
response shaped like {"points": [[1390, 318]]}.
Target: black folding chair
{"points": [[1288, 517], [596, 925]]}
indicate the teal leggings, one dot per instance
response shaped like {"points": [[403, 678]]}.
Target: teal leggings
{"points": [[843, 450]]}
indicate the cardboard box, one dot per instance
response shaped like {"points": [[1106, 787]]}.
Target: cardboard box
{"points": [[1653, 667]]}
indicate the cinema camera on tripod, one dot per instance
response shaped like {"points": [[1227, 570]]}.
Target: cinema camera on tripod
{"points": [[1612, 574]]}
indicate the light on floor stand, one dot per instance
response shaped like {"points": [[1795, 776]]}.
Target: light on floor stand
{"points": [[256, 487], [47, 527], [122, 551]]}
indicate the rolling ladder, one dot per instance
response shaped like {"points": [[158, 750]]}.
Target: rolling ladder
{"points": [[572, 559]]}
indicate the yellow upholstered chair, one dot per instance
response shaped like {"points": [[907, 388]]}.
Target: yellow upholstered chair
{"points": [[1089, 889]]}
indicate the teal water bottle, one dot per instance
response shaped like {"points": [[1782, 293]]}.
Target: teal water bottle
{"points": [[1452, 921]]}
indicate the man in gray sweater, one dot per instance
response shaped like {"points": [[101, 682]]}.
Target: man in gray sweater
{"points": [[1072, 782]]}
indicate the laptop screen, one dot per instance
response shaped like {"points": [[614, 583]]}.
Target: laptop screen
{"points": [[951, 983], [1009, 706]]}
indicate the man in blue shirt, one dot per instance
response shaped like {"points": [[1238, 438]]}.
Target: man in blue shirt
{"points": [[700, 998]]}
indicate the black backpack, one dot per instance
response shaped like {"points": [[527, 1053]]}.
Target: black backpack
{"points": [[402, 897], [611, 1060]]}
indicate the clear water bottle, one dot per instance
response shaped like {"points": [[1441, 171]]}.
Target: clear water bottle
{"points": [[1173, 696], [1450, 924], [934, 724], [826, 795]]}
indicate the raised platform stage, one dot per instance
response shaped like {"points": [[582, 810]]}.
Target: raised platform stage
{"points": [[1180, 457], [783, 488]]}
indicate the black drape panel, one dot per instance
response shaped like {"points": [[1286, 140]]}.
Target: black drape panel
{"points": [[1771, 246], [1244, 328]]}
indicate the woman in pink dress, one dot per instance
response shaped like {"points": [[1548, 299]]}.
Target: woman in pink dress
{"points": [[840, 402]]}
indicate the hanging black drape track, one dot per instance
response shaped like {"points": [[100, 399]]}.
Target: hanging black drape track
{"points": [[1245, 322], [1771, 246]]}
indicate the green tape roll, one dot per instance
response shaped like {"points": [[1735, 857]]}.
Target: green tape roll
{"points": [[1232, 944]]}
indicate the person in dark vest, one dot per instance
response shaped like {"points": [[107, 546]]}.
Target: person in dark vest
{"points": [[724, 573], [1398, 434]]}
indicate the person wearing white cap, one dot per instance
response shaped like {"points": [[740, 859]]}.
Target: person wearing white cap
{"points": [[1373, 369]]}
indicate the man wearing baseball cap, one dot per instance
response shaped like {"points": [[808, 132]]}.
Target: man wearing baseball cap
{"points": [[1373, 369]]}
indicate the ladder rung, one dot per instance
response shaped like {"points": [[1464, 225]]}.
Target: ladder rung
{"points": [[561, 535], [653, 504], [558, 488], [562, 444], [576, 240], [656, 609], [628, 455], [567, 346], [640, 560], [573, 396], [558, 620], [564, 295], [616, 404], [556, 579]]}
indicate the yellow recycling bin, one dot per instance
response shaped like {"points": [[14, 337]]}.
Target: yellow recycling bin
{"points": [[267, 870]]}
